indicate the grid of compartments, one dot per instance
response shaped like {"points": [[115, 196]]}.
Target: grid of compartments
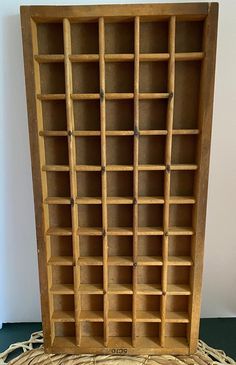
{"points": [[117, 104]]}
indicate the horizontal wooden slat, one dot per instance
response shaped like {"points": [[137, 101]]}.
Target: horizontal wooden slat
{"points": [[91, 316], [84, 57], [120, 289], [55, 168], [180, 231], [48, 58], [149, 260], [148, 316], [91, 288], [144, 96], [90, 260], [51, 97], [179, 261], [177, 317], [57, 200], [59, 231], [63, 316], [62, 289], [152, 289], [61, 260], [119, 316], [178, 289], [189, 56], [154, 57], [185, 131]]}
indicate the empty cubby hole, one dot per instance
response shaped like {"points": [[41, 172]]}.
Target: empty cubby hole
{"points": [[54, 115], [90, 246], [56, 150], [119, 275], [149, 274], [120, 302], [90, 215], [64, 329], [61, 246], [182, 183], [91, 302], [91, 275], [178, 275], [181, 215], [179, 246], [59, 215], [88, 150], [84, 38], [150, 215], [62, 275], [119, 37], [120, 245], [86, 115], [119, 183], [50, 38], [58, 184], [120, 329], [152, 114], [154, 37], [120, 215], [153, 77], [85, 77], [151, 183], [91, 329], [52, 78], [148, 303], [189, 36], [187, 91], [184, 149], [63, 303], [119, 115], [119, 150], [89, 184], [119, 77], [176, 330], [150, 246], [177, 304], [148, 330], [152, 150]]}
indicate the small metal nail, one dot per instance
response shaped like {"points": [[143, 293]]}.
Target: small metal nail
{"points": [[136, 131], [135, 264], [171, 95], [103, 169], [69, 133], [168, 168], [102, 94], [104, 233], [72, 202], [166, 233], [135, 201]]}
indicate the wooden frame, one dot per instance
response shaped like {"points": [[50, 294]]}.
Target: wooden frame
{"points": [[120, 164]]}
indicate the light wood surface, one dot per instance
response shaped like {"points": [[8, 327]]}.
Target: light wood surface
{"points": [[120, 106]]}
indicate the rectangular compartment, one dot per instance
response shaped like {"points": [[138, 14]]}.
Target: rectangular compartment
{"points": [[120, 331], [90, 246], [181, 215], [120, 150], [52, 77], [119, 275], [150, 246], [84, 38], [150, 215], [119, 115], [58, 184], [59, 215], [182, 183], [86, 115], [176, 330], [154, 37], [119, 77], [180, 246], [62, 275], [120, 246], [85, 77], [90, 215], [54, 115], [152, 150], [119, 183], [177, 308], [148, 308], [151, 183], [56, 151], [189, 36], [153, 114], [149, 274], [64, 306], [91, 329], [88, 151], [89, 184], [61, 246], [148, 330], [119, 37], [184, 149], [120, 215], [91, 275], [178, 275], [120, 308], [50, 38], [187, 91], [64, 329], [153, 77]]}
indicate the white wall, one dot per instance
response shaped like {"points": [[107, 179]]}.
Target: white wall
{"points": [[19, 291]]}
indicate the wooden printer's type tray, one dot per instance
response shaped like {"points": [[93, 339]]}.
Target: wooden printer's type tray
{"points": [[120, 106]]}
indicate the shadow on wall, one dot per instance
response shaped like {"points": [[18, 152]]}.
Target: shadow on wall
{"points": [[19, 289]]}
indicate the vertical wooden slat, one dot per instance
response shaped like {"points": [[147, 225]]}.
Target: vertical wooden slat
{"points": [[201, 180], [73, 179], [104, 174], [135, 174], [166, 208], [43, 175]]}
